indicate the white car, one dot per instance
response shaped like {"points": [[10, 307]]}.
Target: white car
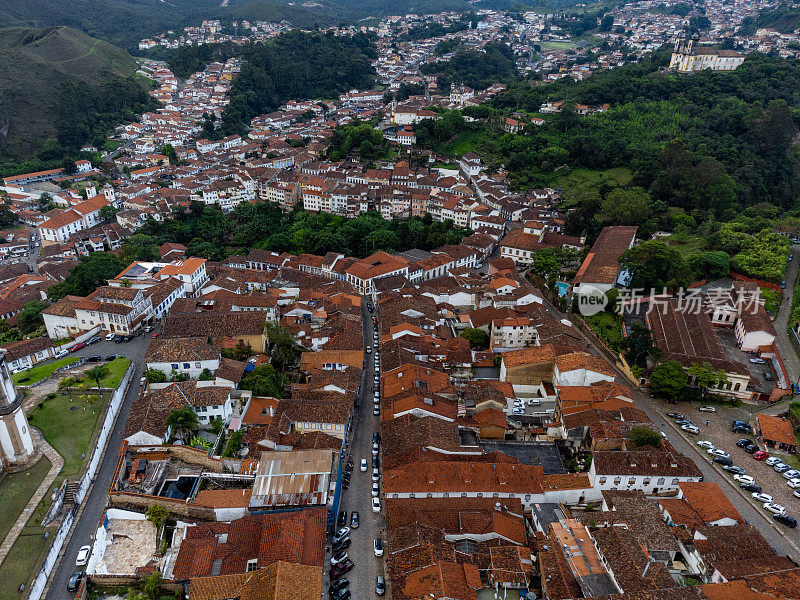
{"points": [[794, 483], [796, 493], [375, 492], [375, 448], [774, 508], [706, 444], [772, 461], [707, 409], [376, 474], [363, 466], [61, 352], [377, 547], [744, 479], [717, 453], [342, 557], [691, 429], [791, 474], [376, 505], [761, 497], [110, 336], [758, 361], [83, 556]]}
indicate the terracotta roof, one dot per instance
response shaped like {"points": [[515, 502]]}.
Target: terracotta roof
{"points": [[180, 349], [279, 581], [456, 477], [601, 265], [709, 501], [776, 429], [526, 356]]}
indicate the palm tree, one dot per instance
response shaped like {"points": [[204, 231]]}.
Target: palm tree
{"points": [[183, 422], [66, 385], [97, 374], [158, 515]]}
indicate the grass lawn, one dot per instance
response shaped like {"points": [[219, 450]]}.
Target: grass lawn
{"points": [[579, 181], [772, 300], [466, 141], [118, 366], [553, 46], [40, 372], [686, 245], [23, 562], [15, 491], [608, 327], [69, 425]]}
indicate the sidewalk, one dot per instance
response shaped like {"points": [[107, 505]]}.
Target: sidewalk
{"points": [[57, 463]]}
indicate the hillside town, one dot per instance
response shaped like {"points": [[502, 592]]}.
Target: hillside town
{"points": [[439, 423]]}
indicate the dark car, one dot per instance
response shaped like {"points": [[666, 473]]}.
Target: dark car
{"points": [[342, 520], [725, 462], [733, 469], [74, 581], [111, 357], [77, 347], [93, 358], [375, 462], [744, 443], [127, 338], [341, 594], [343, 545], [376, 437], [750, 487], [119, 339], [682, 422], [742, 429], [338, 585], [786, 520], [675, 415], [340, 569], [92, 340], [380, 585], [354, 520], [751, 449]]}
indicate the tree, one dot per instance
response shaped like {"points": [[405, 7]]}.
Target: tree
{"points": [[97, 373], [30, 317], [183, 422], [155, 376], [653, 265], [206, 375], [108, 212], [158, 515], [45, 202], [630, 206], [199, 442], [150, 584], [265, 381], [668, 378], [643, 436], [140, 247], [65, 386], [239, 352], [478, 339], [706, 376], [639, 345], [283, 346], [91, 272], [216, 425]]}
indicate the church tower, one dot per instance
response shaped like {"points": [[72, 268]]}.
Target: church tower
{"points": [[16, 444]]}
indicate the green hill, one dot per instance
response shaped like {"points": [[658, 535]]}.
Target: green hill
{"points": [[783, 18], [60, 84]]}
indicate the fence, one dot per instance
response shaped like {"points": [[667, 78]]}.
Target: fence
{"points": [[102, 439]]}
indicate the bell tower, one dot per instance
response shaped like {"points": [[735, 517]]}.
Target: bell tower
{"points": [[16, 443]]}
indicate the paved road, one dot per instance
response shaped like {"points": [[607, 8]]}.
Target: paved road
{"points": [[358, 496], [785, 347], [96, 502]]}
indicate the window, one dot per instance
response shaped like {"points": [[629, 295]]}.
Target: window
{"points": [[185, 365], [174, 366], [602, 480], [252, 565]]}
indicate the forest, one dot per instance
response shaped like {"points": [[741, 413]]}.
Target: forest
{"points": [[297, 65], [209, 233], [714, 141], [476, 68]]}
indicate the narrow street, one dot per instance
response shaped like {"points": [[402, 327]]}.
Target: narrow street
{"points": [[358, 496], [95, 503], [785, 347]]}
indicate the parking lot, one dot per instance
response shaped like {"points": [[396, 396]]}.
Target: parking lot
{"points": [[758, 371], [716, 428]]}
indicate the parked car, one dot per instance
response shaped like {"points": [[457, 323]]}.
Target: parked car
{"points": [[706, 444], [707, 408], [93, 358], [376, 475], [774, 508], [758, 361], [761, 497], [737, 470], [342, 545], [343, 594], [110, 336], [682, 422], [794, 483], [61, 352], [342, 520], [691, 429], [340, 569], [780, 467], [119, 339], [790, 474], [338, 585], [796, 493], [377, 547], [380, 585], [111, 357], [742, 429], [148, 328], [83, 556], [761, 455], [342, 534], [750, 487], [74, 581], [751, 449], [339, 558], [375, 448], [376, 410], [77, 347], [772, 460], [744, 442], [675, 415], [744, 479], [716, 452], [726, 462], [785, 519], [363, 466], [376, 505], [93, 340]]}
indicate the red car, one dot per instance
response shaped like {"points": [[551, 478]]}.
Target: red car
{"points": [[155, 335], [77, 347], [760, 455]]}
